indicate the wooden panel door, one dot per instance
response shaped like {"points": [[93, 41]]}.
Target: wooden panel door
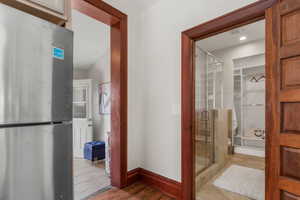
{"points": [[283, 101]]}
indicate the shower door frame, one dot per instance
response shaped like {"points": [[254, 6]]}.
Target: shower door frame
{"points": [[246, 15]]}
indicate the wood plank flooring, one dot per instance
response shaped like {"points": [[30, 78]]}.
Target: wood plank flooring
{"points": [[136, 191], [88, 178], [140, 191], [211, 192]]}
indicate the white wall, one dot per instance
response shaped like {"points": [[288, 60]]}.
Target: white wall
{"points": [[92, 61], [80, 74], [136, 97], [227, 56], [91, 39], [100, 73], [155, 80]]}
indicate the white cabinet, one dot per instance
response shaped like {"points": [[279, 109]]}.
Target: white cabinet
{"points": [[55, 5], [55, 11]]}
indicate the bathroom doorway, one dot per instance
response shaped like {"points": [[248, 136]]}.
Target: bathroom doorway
{"points": [[205, 153], [229, 125]]}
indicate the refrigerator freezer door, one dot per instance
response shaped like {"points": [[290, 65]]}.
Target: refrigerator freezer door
{"points": [[36, 163], [36, 69]]}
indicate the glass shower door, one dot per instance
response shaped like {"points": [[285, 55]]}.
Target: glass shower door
{"points": [[207, 98], [204, 140]]}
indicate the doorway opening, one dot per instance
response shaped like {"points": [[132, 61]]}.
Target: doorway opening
{"points": [[282, 141], [229, 114], [100, 94], [282, 138], [91, 105]]}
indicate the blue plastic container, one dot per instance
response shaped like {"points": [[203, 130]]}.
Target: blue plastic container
{"points": [[94, 150]]}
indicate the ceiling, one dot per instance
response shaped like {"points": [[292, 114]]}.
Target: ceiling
{"points": [[91, 40], [131, 6], [253, 32]]}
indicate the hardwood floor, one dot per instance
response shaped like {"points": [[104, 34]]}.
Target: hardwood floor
{"points": [[136, 191], [211, 192], [140, 191]]}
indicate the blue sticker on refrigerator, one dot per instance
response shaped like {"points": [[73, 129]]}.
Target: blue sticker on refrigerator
{"points": [[58, 53]]}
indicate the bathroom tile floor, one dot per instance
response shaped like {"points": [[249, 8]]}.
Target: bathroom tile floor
{"points": [[211, 192], [204, 154]]}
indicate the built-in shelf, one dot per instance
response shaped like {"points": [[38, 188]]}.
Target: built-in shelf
{"points": [[247, 67], [254, 105], [253, 138], [252, 91], [79, 102]]}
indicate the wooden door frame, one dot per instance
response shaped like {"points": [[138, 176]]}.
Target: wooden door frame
{"points": [[117, 20], [240, 17]]}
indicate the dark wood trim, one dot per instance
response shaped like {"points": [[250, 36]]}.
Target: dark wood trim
{"points": [[117, 20], [187, 108], [107, 8], [240, 17], [165, 185], [119, 104], [94, 12], [133, 176], [271, 98]]}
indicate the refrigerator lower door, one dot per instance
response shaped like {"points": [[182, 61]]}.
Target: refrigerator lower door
{"points": [[36, 163], [36, 69]]}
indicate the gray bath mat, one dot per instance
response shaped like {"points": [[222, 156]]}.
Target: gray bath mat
{"points": [[244, 181]]}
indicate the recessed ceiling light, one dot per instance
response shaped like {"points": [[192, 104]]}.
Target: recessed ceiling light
{"points": [[242, 38]]}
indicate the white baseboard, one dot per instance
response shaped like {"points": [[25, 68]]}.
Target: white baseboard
{"points": [[250, 151]]}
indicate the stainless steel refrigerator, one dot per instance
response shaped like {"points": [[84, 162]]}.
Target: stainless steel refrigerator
{"points": [[36, 72]]}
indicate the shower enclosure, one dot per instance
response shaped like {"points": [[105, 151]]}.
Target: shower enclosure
{"points": [[249, 102], [208, 97]]}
